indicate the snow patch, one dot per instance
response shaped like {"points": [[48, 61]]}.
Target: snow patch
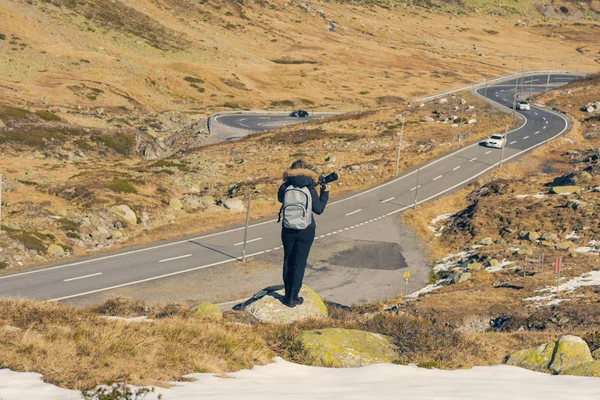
{"points": [[572, 235], [537, 196], [433, 223], [588, 279], [373, 382], [500, 266]]}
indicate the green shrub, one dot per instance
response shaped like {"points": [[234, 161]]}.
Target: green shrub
{"points": [[82, 144], [171, 164], [282, 103], [191, 79], [121, 186], [2, 36], [47, 116], [231, 105], [3, 265], [121, 143], [68, 225], [30, 241], [14, 112], [288, 61], [73, 235]]}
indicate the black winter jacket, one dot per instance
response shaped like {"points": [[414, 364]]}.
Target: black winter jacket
{"points": [[305, 178]]}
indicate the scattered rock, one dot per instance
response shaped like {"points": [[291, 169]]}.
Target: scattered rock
{"points": [[207, 309], [549, 236], [486, 241], [576, 204], [536, 359], [100, 233], [175, 204], [124, 213], [345, 348], [461, 277], [234, 205], [596, 354], [427, 118], [565, 245], [2, 125], [493, 262], [443, 100], [531, 236], [474, 266], [526, 251], [565, 189], [270, 308], [55, 251]]}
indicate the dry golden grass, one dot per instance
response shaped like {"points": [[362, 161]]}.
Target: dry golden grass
{"points": [[78, 349]]}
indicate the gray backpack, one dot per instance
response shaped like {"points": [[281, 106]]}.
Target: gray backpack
{"points": [[296, 208]]}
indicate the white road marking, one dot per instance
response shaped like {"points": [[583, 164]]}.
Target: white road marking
{"points": [[457, 167], [545, 127], [354, 212], [473, 159], [414, 188], [386, 200], [536, 113], [488, 152], [82, 277], [175, 258], [346, 229], [544, 118], [437, 177], [546, 122], [248, 241], [514, 141], [526, 137], [536, 132]]}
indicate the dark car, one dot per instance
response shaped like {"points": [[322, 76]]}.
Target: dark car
{"points": [[299, 114]]}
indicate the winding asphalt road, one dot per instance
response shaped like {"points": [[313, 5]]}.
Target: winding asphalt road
{"points": [[447, 173]]}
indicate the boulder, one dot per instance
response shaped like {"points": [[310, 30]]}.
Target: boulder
{"points": [[100, 233], [234, 205], [55, 251], [2, 125], [565, 354], [535, 359], [570, 351], [549, 236], [443, 100], [461, 277], [576, 204], [591, 368], [596, 354], [486, 241], [565, 189], [344, 348], [474, 266], [175, 204], [531, 236], [493, 262], [526, 251], [124, 213], [427, 118], [207, 309], [565, 245], [270, 308]]}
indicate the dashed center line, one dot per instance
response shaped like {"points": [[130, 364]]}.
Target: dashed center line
{"points": [[514, 141], [526, 137], [455, 168], [536, 132], [536, 113], [248, 241], [82, 277], [386, 200], [545, 127], [354, 212], [488, 152], [437, 177], [414, 188], [473, 159], [175, 258]]}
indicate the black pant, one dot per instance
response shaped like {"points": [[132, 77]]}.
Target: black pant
{"points": [[296, 246]]}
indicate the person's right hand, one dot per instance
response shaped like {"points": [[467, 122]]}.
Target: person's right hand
{"points": [[323, 187]]}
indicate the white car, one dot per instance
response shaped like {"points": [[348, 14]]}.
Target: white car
{"points": [[523, 106], [496, 141]]}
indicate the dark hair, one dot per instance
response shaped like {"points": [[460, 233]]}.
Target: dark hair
{"points": [[299, 164]]}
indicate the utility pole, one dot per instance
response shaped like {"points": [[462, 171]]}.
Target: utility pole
{"points": [[246, 230], [399, 147], [503, 146], [462, 112], [0, 202], [515, 101], [417, 188]]}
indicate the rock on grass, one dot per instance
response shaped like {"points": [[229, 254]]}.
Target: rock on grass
{"points": [[270, 308], [342, 348]]}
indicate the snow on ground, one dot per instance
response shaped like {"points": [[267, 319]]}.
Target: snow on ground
{"points": [[572, 235], [430, 288], [283, 379], [587, 279], [500, 266], [437, 219], [537, 196]]}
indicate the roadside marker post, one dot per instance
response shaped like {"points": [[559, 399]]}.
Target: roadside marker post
{"points": [[246, 229], [503, 146], [406, 276]]}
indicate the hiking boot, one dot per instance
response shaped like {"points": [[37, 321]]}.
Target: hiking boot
{"points": [[297, 300], [288, 299]]}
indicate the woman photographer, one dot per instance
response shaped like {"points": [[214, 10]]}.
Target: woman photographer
{"points": [[299, 201]]}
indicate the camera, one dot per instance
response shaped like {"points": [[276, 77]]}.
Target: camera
{"points": [[324, 180]]}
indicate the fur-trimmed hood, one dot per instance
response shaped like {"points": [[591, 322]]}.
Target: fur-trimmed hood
{"points": [[301, 177]]}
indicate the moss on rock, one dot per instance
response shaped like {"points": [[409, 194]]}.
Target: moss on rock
{"points": [[207, 309], [591, 368], [535, 359], [570, 351], [270, 308], [341, 348], [596, 354]]}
